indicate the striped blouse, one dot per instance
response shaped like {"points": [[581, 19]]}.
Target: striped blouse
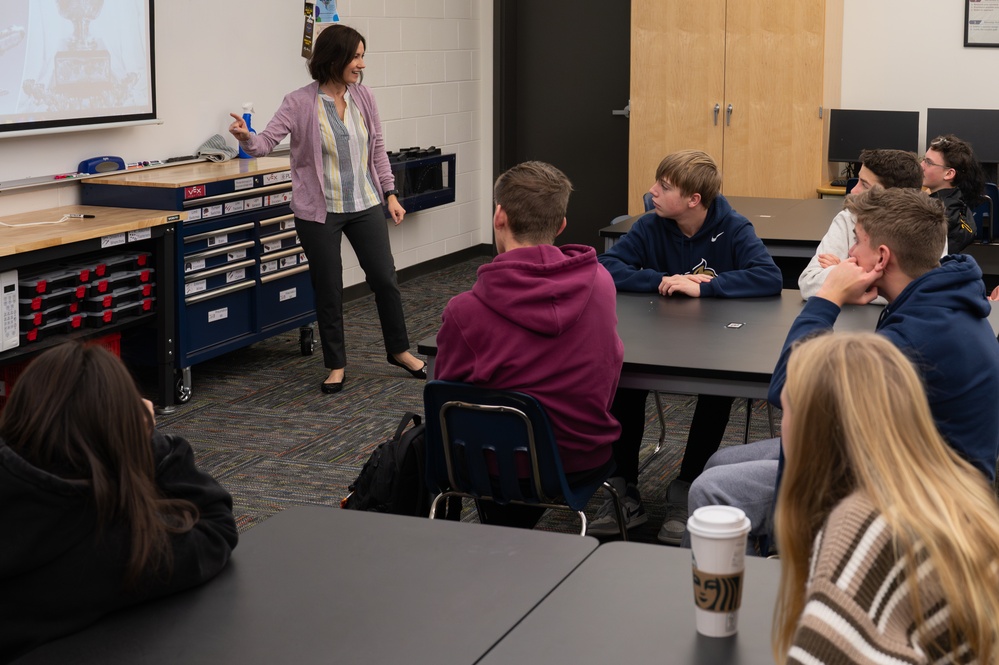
{"points": [[347, 183], [858, 606]]}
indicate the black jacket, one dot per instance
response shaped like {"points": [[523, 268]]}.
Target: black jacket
{"points": [[58, 574], [961, 228]]}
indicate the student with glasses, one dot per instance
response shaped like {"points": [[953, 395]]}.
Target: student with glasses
{"points": [[953, 175]]}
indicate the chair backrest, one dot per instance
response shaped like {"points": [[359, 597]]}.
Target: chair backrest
{"points": [[851, 183], [494, 444], [647, 200], [985, 213]]}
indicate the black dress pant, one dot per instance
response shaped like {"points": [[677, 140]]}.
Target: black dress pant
{"points": [[706, 431], [366, 230]]}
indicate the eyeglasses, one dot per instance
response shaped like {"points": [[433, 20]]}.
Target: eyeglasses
{"points": [[930, 162]]}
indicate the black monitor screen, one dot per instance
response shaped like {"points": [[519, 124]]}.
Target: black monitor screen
{"points": [[851, 131], [979, 127]]}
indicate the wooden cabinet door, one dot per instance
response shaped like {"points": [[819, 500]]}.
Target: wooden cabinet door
{"points": [[677, 77], [773, 80]]}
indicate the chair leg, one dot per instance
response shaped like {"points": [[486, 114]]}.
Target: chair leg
{"points": [[749, 415], [433, 506], [616, 498], [770, 417], [662, 431]]}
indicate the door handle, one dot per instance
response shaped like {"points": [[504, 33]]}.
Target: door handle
{"points": [[717, 110], [728, 116], [626, 111]]}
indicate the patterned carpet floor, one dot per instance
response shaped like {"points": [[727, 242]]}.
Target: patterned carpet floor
{"points": [[260, 425]]}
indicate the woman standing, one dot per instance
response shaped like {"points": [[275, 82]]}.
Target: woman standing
{"points": [[952, 174], [887, 538], [98, 510], [339, 176]]}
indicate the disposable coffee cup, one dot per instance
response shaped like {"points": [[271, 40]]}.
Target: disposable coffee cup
{"points": [[718, 547]]}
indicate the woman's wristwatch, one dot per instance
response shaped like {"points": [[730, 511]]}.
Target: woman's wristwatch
{"points": [[391, 192]]}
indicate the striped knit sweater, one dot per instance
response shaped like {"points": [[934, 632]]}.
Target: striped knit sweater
{"points": [[858, 606]]}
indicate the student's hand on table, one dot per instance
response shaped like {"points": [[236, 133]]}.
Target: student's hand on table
{"points": [[995, 294], [396, 210], [849, 284], [828, 260], [689, 285], [238, 128]]}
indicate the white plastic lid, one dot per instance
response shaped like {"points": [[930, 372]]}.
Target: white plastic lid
{"points": [[719, 522]]}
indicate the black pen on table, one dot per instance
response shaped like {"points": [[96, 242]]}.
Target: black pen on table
{"points": [[81, 216]]}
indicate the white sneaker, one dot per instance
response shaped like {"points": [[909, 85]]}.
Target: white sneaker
{"points": [[605, 521]]}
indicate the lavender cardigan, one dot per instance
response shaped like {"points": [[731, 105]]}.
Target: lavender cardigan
{"points": [[297, 116]]}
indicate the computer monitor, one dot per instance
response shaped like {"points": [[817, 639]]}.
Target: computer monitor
{"points": [[851, 131], [979, 127]]}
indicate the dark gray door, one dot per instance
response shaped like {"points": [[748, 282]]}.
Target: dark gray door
{"points": [[562, 66]]}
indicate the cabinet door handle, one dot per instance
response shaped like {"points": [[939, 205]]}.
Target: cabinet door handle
{"points": [[717, 111], [626, 111], [728, 116]]}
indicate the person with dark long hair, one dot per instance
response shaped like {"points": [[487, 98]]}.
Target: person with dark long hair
{"points": [[98, 510], [340, 174], [953, 175], [887, 537]]}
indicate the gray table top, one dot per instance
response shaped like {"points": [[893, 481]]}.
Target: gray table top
{"points": [[323, 585], [634, 603], [686, 345]]}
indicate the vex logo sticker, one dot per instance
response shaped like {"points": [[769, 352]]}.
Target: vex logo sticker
{"points": [[194, 192]]}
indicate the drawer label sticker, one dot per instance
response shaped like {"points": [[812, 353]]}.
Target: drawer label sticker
{"points": [[289, 261], [242, 183], [197, 264], [194, 192], [218, 314], [287, 294], [235, 275], [211, 211], [141, 234], [220, 239], [195, 287], [272, 245], [253, 204], [290, 224], [237, 255], [275, 178], [233, 206], [302, 258], [113, 240], [270, 266], [194, 215], [278, 199]]}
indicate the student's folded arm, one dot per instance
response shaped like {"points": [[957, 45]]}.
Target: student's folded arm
{"points": [[837, 241], [203, 551], [817, 316], [756, 274], [626, 262]]}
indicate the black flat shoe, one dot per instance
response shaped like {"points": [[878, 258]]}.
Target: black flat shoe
{"points": [[417, 373], [331, 388]]}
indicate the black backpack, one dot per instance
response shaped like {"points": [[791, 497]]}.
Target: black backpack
{"points": [[393, 478]]}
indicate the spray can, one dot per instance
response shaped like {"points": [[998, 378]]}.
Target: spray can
{"points": [[247, 114]]}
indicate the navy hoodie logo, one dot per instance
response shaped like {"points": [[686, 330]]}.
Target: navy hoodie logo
{"points": [[702, 268]]}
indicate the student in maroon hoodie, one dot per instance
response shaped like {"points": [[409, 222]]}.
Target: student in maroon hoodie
{"points": [[540, 320]]}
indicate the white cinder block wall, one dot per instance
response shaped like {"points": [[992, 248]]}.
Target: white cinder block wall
{"points": [[429, 63]]}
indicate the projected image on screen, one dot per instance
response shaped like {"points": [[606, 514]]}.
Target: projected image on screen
{"points": [[74, 61]]}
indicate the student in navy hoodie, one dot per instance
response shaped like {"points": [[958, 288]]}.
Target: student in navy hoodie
{"points": [[692, 245], [541, 320], [937, 314]]}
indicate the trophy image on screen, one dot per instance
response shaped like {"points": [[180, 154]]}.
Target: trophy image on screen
{"points": [[10, 37], [82, 76]]}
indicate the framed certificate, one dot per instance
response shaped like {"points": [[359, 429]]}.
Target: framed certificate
{"points": [[981, 23]]}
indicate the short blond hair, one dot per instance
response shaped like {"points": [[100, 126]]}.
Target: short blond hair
{"points": [[692, 172]]}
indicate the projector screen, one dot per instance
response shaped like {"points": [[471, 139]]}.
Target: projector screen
{"points": [[75, 64]]}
